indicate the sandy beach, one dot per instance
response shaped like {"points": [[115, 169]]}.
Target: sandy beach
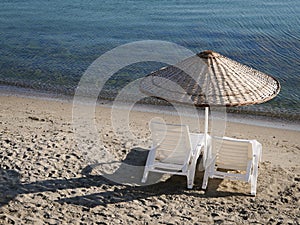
{"points": [[45, 179]]}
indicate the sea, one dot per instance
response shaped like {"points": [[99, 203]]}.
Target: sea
{"points": [[47, 45]]}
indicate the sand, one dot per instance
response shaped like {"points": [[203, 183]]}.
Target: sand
{"points": [[46, 179]]}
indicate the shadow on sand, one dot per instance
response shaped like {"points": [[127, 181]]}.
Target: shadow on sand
{"points": [[111, 192]]}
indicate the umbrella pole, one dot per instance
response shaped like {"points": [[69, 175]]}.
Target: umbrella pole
{"points": [[205, 137], [206, 120]]}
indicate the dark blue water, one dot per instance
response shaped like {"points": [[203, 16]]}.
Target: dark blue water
{"points": [[49, 44]]}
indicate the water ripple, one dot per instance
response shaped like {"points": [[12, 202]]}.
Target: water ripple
{"points": [[53, 42]]}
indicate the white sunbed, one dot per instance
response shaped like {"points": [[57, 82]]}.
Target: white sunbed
{"points": [[174, 151], [232, 154]]}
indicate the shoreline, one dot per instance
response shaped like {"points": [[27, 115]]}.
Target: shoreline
{"points": [[235, 117]]}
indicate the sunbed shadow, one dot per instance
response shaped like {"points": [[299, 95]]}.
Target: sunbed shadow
{"points": [[121, 194], [176, 185], [118, 193], [10, 185], [113, 192]]}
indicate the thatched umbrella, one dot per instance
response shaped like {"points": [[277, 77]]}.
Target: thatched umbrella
{"points": [[210, 79]]}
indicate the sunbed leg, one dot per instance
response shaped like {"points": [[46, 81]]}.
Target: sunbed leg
{"points": [[190, 178], [205, 180], [253, 185], [190, 183], [145, 176], [254, 176]]}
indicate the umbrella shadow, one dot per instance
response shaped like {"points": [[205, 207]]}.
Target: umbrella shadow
{"points": [[111, 191]]}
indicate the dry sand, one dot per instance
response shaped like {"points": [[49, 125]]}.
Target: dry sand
{"points": [[45, 179]]}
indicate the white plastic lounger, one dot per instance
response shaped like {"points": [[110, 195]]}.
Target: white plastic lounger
{"points": [[174, 151], [233, 155]]}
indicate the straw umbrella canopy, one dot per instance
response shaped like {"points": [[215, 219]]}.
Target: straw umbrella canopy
{"points": [[210, 79]]}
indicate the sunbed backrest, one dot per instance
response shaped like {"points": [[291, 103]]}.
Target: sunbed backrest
{"points": [[232, 154], [172, 142]]}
